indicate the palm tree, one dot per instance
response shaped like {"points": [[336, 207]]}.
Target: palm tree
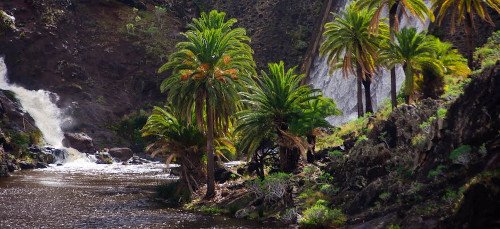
{"points": [[407, 7], [350, 43], [415, 53], [314, 114], [204, 79], [275, 101], [464, 11], [178, 139], [454, 65]]}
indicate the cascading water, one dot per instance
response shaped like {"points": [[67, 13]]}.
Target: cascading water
{"points": [[48, 117], [343, 90]]}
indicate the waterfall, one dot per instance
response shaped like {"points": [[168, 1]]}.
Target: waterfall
{"points": [[39, 104], [343, 90]]}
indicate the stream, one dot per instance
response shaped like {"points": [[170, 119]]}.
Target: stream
{"points": [[96, 196]]}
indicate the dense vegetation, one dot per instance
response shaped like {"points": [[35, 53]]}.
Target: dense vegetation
{"points": [[274, 119]]}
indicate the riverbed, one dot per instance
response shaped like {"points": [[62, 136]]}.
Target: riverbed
{"points": [[97, 196]]}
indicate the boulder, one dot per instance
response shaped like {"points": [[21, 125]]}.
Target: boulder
{"points": [[136, 160], [123, 154], [26, 165], [103, 158], [79, 141]]}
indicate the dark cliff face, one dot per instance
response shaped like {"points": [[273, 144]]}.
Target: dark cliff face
{"points": [[82, 52], [280, 29]]}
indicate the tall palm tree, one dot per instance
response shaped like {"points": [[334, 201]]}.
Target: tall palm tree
{"points": [[275, 101], [178, 139], [204, 76], [416, 8], [350, 43], [415, 53], [464, 11]]}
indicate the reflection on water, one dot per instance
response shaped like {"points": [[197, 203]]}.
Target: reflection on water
{"points": [[96, 196]]}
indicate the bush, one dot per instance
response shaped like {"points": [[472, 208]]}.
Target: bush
{"points": [[460, 155], [419, 141], [436, 172], [272, 188], [320, 215], [441, 113], [489, 54]]}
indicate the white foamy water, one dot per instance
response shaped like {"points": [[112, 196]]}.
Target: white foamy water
{"points": [[343, 90], [40, 105]]}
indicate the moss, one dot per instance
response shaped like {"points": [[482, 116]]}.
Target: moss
{"points": [[211, 210], [436, 172], [459, 152]]}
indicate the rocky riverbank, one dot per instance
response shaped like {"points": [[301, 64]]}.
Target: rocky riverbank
{"points": [[433, 164]]}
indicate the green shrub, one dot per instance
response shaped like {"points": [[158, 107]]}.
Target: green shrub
{"points": [[393, 226], [361, 138], [272, 188], [320, 215], [460, 154], [130, 127], [419, 141], [335, 153], [385, 196], [436, 172], [211, 210], [451, 196], [489, 54], [328, 189], [441, 113]]}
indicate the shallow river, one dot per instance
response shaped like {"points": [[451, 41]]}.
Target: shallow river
{"points": [[96, 196]]}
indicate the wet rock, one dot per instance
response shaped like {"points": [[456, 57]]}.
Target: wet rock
{"points": [[11, 166], [104, 158], [136, 160], [4, 168], [79, 141], [41, 165], [123, 154], [59, 154], [26, 165]]}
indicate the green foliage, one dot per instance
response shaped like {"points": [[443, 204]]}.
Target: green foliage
{"points": [[272, 188], [151, 31], [130, 127], [207, 67], [454, 87], [459, 154], [361, 138], [393, 226], [335, 153], [489, 54], [436, 172], [328, 189], [413, 50], [452, 196], [211, 210], [278, 102], [458, 11], [441, 113], [320, 215], [355, 127], [419, 141], [20, 139], [385, 196], [350, 41]]}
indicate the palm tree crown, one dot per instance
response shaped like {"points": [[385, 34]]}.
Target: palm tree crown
{"points": [[413, 51], [464, 11]]}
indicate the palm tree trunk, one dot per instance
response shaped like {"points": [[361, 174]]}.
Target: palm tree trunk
{"points": [[289, 159], [359, 73], [368, 97], [392, 24], [409, 83], [210, 151], [311, 140], [469, 30]]}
